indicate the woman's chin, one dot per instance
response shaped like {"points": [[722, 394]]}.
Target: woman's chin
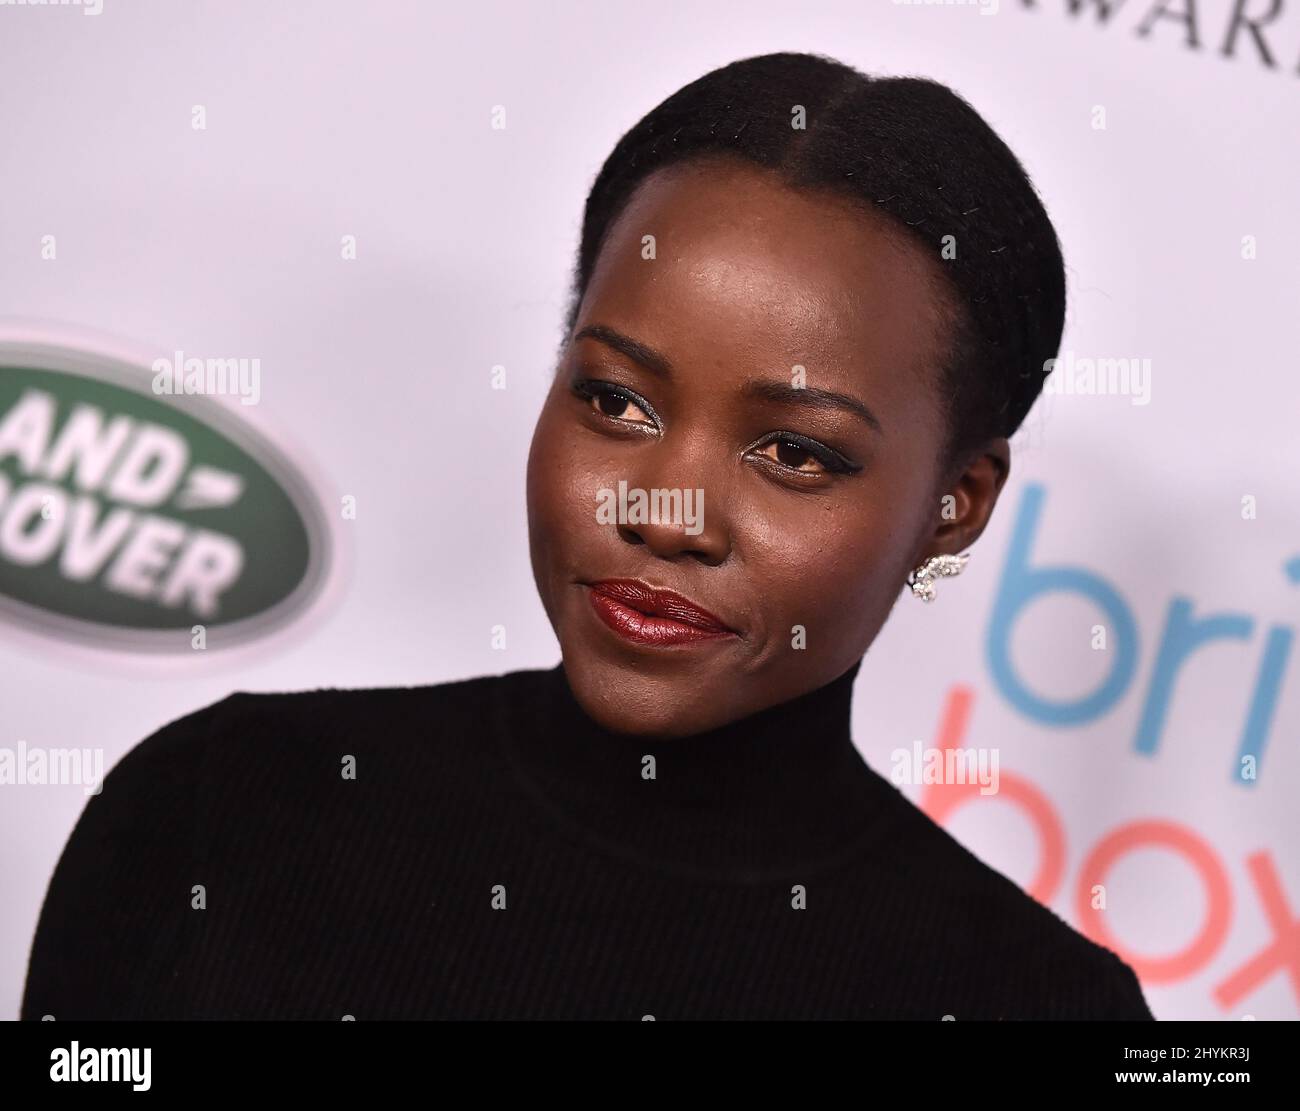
{"points": [[622, 699]]}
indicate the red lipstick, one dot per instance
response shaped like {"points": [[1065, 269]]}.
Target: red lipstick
{"points": [[646, 615]]}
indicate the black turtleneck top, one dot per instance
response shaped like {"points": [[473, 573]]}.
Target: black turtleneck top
{"points": [[483, 849]]}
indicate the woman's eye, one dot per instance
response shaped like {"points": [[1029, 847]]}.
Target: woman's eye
{"points": [[617, 406], [790, 454]]}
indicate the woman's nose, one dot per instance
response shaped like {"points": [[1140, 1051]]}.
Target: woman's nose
{"points": [[674, 520], [670, 539]]}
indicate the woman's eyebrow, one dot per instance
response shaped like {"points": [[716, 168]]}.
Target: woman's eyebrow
{"points": [[808, 396], [781, 392], [648, 357]]}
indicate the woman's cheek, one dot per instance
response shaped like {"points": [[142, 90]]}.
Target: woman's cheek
{"points": [[837, 579], [562, 484], [549, 500]]}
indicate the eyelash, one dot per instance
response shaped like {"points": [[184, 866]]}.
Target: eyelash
{"points": [[831, 460], [591, 389]]}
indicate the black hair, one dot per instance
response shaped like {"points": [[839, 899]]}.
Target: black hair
{"points": [[908, 147]]}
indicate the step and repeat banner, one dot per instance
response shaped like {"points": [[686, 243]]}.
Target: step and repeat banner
{"points": [[280, 292]]}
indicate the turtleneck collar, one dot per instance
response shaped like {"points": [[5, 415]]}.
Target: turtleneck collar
{"points": [[776, 793]]}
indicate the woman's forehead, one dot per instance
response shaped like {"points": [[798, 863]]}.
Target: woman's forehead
{"points": [[740, 265]]}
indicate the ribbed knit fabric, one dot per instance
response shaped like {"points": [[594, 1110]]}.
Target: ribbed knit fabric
{"points": [[499, 855]]}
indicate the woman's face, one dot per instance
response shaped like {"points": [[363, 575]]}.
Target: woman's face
{"points": [[761, 376]]}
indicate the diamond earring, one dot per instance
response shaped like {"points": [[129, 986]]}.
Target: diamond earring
{"points": [[922, 579]]}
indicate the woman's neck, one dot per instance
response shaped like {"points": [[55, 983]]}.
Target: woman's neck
{"points": [[777, 792]]}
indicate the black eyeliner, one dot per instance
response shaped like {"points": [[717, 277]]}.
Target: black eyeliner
{"points": [[827, 457], [596, 387]]}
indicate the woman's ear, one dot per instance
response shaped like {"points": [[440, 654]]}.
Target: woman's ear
{"points": [[965, 501]]}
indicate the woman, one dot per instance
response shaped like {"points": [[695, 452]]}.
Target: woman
{"points": [[809, 308]]}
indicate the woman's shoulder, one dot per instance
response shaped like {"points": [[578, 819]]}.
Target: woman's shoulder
{"points": [[230, 785], [1030, 956], [259, 741], [392, 714], [272, 726]]}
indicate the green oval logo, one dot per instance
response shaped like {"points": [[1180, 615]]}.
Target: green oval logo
{"points": [[129, 517]]}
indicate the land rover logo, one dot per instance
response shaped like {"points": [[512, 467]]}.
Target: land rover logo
{"points": [[128, 518]]}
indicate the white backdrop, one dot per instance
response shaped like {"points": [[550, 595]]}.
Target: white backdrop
{"points": [[325, 120]]}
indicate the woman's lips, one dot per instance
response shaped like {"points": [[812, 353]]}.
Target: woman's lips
{"points": [[645, 615]]}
